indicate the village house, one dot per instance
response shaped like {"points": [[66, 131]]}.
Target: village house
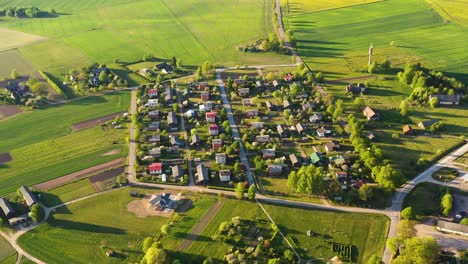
{"points": [[205, 96], [220, 158], [445, 99], [251, 113], [160, 202], [329, 146], [243, 92], [269, 105], [246, 102], [263, 139], [155, 168], [341, 175], [275, 84], [153, 126], [275, 170], [214, 130], [315, 157], [5, 206], [202, 86], [210, 117], [172, 119], [239, 82], [294, 160], [28, 196], [201, 176], [427, 123], [153, 114], [154, 138], [155, 152], [152, 103], [94, 80], [308, 106], [356, 89], [174, 141], [224, 175], [17, 90], [299, 128], [282, 132], [195, 140], [165, 68], [177, 171], [217, 143], [322, 132], [268, 153], [370, 135], [316, 117], [370, 114], [286, 103], [407, 130], [258, 125], [169, 95], [288, 77], [152, 92]]}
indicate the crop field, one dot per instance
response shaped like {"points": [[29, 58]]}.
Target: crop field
{"points": [[5, 250], [44, 147], [451, 10], [67, 192], [76, 232], [365, 232], [105, 30], [336, 41], [10, 60], [12, 39]]}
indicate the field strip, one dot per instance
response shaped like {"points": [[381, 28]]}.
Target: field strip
{"points": [[95, 121], [78, 175], [200, 226]]}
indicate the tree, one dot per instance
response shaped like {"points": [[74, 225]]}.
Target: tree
{"points": [[392, 244], [103, 78], [358, 103], [418, 251], [404, 107], [265, 46], [446, 203], [288, 255], [319, 77], [37, 213], [147, 243], [408, 213], [274, 261], [270, 76], [292, 181], [251, 192], [14, 74], [179, 63], [464, 221], [156, 255], [39, 88], [433, 102], [174, 61], [240, 189], [405, 229], [166, 229], [366, 192], [372, 67], [296, 89]]}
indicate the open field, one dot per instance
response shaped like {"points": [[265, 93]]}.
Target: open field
{"points": [[9, 110], [95, 121], [14, 39], [76, 232], [10, 260], [321, 5], [451, 10], [10, 60], [336, 41], [365, 232], [5, 250], [67, 192], [106, 30]]}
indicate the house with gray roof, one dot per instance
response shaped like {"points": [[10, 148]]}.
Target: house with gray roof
{"points": [[5, 206], [201, 176], [28, 196]]}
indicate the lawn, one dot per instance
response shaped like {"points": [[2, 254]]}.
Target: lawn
{"points": [[105, 30], [76, 232], [6, 251], [67, 192], [365, 232], [279, 187], [336, 41], [425, 199]]}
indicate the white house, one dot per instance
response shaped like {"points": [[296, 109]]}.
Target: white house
{"points": [[220, 158]]}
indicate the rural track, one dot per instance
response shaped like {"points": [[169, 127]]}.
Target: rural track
{"points": [[200, 226], [78, 175]]}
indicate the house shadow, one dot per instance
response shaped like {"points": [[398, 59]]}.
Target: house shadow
{"points": [[85, 227]]}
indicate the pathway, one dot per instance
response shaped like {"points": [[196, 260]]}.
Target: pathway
{"points": [[200, 226]]}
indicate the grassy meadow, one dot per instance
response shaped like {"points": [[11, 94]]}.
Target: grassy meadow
{"points": [[43, 145], [336, 41], [76, 232], [101, 31]]}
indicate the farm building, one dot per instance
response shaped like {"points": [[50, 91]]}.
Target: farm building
{"points": [[28, 196], [407, 130], [453, 228], [5, 206], [445, 99], [370, 114], [275, 170]]}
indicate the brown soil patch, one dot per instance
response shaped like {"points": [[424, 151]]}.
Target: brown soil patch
{"points": [[9, 110], [142, 210], [112, 152], [78, 175], [5, 157], [95, 122], [100, 178]]}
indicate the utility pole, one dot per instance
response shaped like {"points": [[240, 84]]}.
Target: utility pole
{"points": [[371, 50]]}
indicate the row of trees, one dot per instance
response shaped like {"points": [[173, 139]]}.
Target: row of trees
{"points": [[23, 12]]}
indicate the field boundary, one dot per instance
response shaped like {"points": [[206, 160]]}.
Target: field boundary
{"points": [[95, 121], [78, 175], [55, 86]]}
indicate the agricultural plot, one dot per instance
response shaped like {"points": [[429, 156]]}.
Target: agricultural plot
{"points": [[6, 251], [336, 41], [366, 233], [10, 60], [12, 39], [67, 192], [76, 233]]}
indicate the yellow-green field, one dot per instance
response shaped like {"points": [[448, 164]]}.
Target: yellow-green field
{"points": [[13, 39], [321, 5], [451, 10], [11, 59]]}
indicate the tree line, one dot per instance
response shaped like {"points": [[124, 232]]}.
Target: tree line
{"points": [[25, 12]]}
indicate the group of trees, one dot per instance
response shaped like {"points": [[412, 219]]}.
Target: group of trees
{"points": [[291, 38], [426, 82], [205, 69], [24, 12], [376, 67], [240, 190], [271, 43], [307, 180], [154, 253]]}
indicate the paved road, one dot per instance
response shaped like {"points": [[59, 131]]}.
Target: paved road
{"points": [[235, 130]]}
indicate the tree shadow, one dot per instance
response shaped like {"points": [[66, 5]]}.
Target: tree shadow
{"points": [[85, 227]]}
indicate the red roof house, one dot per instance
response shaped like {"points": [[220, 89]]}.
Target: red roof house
{"points": [[214, 130], [155, 168], [152, 92], [210, 117], [288, 77]]}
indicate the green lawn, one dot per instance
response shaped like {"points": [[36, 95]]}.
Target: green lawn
{"points": [[425, 199], [76, 232], [67, 192], [279, 187], [43, 145], [336, 41], [6, 251], [365, 232]]}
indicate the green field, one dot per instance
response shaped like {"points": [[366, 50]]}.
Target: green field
{"points": [[67, 192], [43, 145], [425, 199], [76, 232], [101, 31], [10, 60], [6, 251], [336, 41], [10, 260], [365, 232]]}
